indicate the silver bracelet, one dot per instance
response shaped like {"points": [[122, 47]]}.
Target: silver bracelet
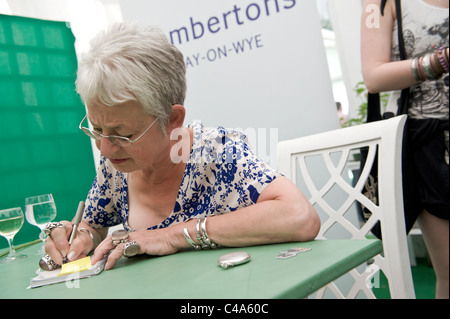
{"points": [[205, 236], [415, 71], [200, 237], [426, 67], [189, 239]]}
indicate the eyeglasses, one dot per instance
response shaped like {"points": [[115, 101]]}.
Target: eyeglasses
{"points": [[117, 140]]}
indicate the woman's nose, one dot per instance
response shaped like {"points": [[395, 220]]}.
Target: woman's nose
{"points": [[106, 147]]}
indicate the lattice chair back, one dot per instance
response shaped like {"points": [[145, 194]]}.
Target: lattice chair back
{"points": [[323, 167]]}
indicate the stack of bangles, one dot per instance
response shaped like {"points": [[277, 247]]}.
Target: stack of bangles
{"points": [[421, 67], [202, 236]]}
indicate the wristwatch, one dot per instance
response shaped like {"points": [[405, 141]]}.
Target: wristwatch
{"points": [[119, 236]]}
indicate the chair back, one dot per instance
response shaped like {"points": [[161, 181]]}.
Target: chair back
{"points": [[322, 166]]}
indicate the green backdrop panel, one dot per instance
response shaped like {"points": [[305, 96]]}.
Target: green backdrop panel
{"points": [[42, 149]]}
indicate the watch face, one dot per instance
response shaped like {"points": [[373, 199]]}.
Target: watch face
{"points": [[119, 235]]}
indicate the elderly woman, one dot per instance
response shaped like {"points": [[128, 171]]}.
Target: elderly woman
{"points": [[172, 187]]}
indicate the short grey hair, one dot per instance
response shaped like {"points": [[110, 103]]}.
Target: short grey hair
{"points": [[129, 62]]}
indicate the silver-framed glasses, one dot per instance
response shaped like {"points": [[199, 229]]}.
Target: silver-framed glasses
{"points": [[115, 139]]}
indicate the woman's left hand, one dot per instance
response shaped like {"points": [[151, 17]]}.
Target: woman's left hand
{"points": [[151, 242]]}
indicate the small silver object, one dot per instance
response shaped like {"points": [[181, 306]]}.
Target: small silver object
{"points": [[233, 259], [119, 236], [131, 248]]}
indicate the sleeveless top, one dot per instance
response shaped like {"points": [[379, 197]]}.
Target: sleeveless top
{"points": [[425, 28]]}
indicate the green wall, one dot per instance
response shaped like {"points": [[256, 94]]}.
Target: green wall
{"points": [[41, 148]]}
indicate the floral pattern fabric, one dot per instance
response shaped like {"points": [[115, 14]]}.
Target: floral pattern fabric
{"points": [[222, 175]]}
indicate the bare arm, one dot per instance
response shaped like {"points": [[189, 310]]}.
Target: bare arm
{"points": [[281, 214], [380, 74]]}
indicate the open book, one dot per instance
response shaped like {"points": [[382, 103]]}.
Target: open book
{"points": [[77, 269]]}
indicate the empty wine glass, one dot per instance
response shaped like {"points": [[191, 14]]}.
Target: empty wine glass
{"points": [[39, 211], [11, 220]]}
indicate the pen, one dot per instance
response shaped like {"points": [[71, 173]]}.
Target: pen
{"points": [[76, 221]]}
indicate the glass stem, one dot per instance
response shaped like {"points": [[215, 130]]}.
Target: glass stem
{"points": [[12, 250]]}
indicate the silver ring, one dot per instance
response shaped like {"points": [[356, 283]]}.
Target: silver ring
{"points": [[119, 236], [131, 248], [47, 263], [52, 225], [86, 231]]}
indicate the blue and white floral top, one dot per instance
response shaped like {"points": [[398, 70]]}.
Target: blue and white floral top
{"points": [[222, 174]]}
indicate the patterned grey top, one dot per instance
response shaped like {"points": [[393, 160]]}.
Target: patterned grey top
{"points": [[425, 28]]}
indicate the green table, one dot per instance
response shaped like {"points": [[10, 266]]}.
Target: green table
{"points": [[196, 274]]}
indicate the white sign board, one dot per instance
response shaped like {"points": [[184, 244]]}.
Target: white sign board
{"points": [[257, 65]]}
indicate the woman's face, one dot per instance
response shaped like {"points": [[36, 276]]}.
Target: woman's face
{"points": [[129, 120]]}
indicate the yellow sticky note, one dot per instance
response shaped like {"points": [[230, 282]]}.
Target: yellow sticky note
{"points": [[75, 266]]}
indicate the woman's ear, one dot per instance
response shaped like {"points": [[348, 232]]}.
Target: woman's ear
{"points": [[177, 116]]}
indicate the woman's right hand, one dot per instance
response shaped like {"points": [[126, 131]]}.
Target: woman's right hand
{"points": [[57, 243]]}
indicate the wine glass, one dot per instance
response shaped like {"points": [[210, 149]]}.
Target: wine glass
{"points": [[11, 220], [39, 211]]}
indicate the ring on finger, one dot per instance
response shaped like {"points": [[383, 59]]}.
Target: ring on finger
{"points": [[47, 263], [131, 248], [119, 236], [52, 225]]}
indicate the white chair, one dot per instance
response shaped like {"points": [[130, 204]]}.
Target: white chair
{"points": [[320, 163]]}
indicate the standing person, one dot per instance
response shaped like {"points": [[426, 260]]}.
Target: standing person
{"points": [[426, 72]]}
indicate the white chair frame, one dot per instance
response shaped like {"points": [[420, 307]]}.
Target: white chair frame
{"points": [[386, 138]]}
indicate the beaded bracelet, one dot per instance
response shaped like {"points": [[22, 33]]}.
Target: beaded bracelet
{"points": [[421, 66]]}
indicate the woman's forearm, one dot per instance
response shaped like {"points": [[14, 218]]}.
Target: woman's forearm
{"points": [[279, 219]]}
